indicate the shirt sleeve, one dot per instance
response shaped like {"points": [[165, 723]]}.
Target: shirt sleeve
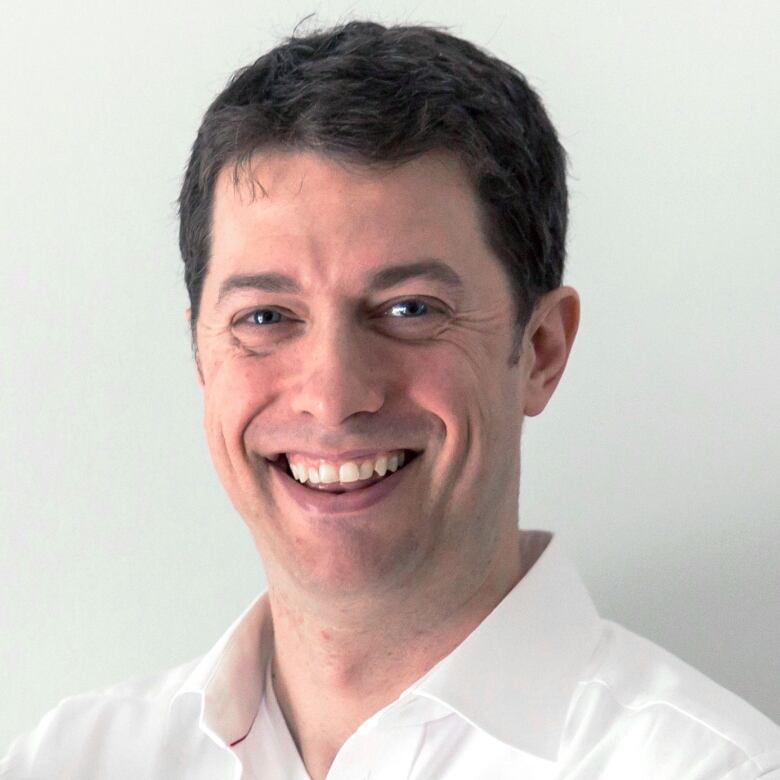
{"points": [[19, 761], [765, 766]]}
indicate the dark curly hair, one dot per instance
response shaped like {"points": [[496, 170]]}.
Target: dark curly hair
{"points": [[381, 96]]}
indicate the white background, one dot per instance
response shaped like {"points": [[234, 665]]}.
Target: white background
{"points": [[657, 460]]}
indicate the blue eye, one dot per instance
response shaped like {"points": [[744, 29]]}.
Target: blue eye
{"points": [[413, 306], [263, 317]]}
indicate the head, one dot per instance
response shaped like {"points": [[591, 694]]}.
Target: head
{"points": [[373, 225], [381, 96]]}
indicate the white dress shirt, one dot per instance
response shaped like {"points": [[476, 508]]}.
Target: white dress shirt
{"points": [[542, 688]]}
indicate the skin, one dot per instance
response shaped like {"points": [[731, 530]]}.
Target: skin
{"points": [[363, 604]]}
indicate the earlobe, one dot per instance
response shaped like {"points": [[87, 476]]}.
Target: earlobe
{"points": [[550, 336]]}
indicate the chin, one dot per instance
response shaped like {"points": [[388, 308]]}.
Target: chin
{"points": [[345, 563]]}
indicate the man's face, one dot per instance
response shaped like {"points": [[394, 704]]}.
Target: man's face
{"points": [[319, 344]]}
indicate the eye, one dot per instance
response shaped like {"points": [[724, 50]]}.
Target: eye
{"points": [[260, 327], [413, 307], [262, 317], [413, 318]]}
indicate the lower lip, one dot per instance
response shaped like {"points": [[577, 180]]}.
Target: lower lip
{"points": [[322, 502]]}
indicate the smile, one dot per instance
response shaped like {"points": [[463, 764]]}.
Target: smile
{"points": [[356, 473], [339, 491]]}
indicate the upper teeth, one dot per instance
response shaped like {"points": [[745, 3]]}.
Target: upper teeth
{"points": [[345, 471]]}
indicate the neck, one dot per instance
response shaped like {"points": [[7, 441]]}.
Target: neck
{"points": [[335, 666]]}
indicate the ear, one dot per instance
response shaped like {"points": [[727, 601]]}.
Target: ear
{"points": [[547, 342], [196, 355]]}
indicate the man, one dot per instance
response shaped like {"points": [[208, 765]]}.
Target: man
{"points": [[373, 226]]}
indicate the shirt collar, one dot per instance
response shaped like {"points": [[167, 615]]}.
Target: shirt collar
{"points": [[513, 676], [228, 682]]}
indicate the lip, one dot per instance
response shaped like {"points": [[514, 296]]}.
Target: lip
{"points": [[335, 457], [324, 503]]}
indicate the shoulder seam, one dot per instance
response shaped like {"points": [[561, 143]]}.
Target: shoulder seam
{"points": [[686, 713]]}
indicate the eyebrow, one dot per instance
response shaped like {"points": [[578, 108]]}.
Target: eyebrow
{"points": [[384, 279], [269, 282], [432, 269]]}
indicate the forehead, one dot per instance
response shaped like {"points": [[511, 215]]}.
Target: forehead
{"points": [[327, 221]]}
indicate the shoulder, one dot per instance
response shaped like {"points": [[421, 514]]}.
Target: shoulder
{"points": [[96, 728], [640, 695]]}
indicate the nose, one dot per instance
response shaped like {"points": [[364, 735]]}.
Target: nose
{"points": [[339, 376]]}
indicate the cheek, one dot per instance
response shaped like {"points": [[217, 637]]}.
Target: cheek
{"points": [[443, 386], [433, 381], [236, 391], [474, 396], [457, 384]]}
